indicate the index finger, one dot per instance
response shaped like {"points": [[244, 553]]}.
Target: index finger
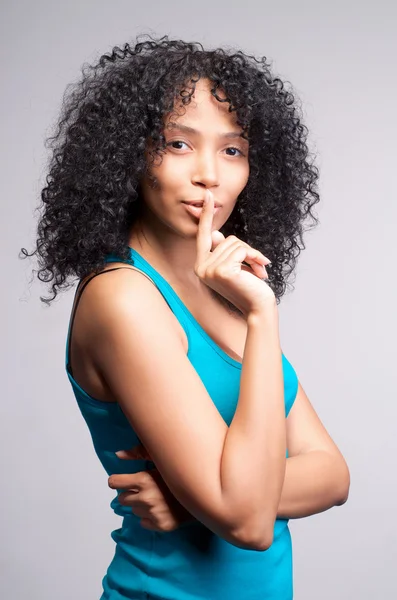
{"points": [[124, 481], [204, 240]]}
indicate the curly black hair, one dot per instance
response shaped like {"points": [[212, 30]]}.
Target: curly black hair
{"points": [[92, 191]]}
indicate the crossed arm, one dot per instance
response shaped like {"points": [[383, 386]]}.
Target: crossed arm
{"points": [[316, 478]]}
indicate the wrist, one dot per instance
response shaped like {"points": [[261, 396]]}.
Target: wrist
{"points": [[266, 315]]}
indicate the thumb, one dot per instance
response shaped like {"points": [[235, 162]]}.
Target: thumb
{"points": [[217, 237]]}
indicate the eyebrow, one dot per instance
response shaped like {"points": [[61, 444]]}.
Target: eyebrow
{"points": [[186, 129]]}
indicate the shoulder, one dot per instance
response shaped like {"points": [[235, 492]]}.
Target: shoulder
{"points": [[123, 296], [120, 274], [118, 284]]}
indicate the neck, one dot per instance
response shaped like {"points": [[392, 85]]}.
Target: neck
{"points": [[173, 257], [169, 253]]}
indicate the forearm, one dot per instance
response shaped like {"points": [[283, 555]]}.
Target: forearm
{"points": [[314, 482], [254, 455]]}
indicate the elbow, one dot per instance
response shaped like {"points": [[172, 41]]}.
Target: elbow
{"points": [[264, 542], [260, 543], [344, 487], [342, 496], [257, 538]]}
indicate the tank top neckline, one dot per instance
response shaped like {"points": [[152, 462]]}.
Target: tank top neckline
{"points": [[135, 255]]}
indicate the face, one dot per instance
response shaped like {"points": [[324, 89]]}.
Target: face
{"points": [[204, 150]]}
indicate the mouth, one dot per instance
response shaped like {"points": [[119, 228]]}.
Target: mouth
{"points": [[199, 203], [196, 208]]}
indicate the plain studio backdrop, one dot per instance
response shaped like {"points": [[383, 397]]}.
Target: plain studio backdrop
{"points": [[338, 326]]}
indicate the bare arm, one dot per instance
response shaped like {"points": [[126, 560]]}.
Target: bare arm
{"points": [[140, 355], [314, 482], [253, 463], [317, 476]]}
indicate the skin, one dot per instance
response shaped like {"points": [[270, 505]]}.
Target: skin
{"points": [[317, 476], [166, 233]]}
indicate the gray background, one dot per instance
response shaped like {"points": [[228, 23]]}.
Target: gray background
{"points": [[338, 327]]}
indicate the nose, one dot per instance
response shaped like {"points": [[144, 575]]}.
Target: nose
{"points": [[205, 170]]}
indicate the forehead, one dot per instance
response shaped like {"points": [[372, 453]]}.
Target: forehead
{"points": [[203, 108]]}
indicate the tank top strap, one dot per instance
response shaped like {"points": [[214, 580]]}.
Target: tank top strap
{"points": [[139, 264], [169, 295], [76, 300]]}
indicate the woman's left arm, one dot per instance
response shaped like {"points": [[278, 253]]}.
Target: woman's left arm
{"points": [[317, 476]]}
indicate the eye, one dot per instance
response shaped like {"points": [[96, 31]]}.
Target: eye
{"points": [[176, 142], [238, 150], [228, 148]]}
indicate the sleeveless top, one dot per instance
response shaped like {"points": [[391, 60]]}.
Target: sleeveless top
{"points": [[192, 562]]}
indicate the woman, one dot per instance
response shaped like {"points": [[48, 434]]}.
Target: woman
{"points": [[177, 172]]}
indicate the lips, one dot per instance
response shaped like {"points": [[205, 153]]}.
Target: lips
{"points": [[196, 211], [198, 203]]}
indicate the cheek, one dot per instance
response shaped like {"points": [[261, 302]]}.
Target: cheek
{"points": [[238, 178], [168, 174]]}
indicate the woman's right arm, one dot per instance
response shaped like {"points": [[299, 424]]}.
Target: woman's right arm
{"points": [[229, 478]]}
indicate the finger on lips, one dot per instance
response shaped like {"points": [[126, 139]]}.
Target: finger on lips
{"points": [[256, 260]]}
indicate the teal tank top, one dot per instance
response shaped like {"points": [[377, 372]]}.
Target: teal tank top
{"points": [[191, 563]]}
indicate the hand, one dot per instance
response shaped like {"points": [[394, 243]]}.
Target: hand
{"points": [[148, 496], [218, 265]]}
